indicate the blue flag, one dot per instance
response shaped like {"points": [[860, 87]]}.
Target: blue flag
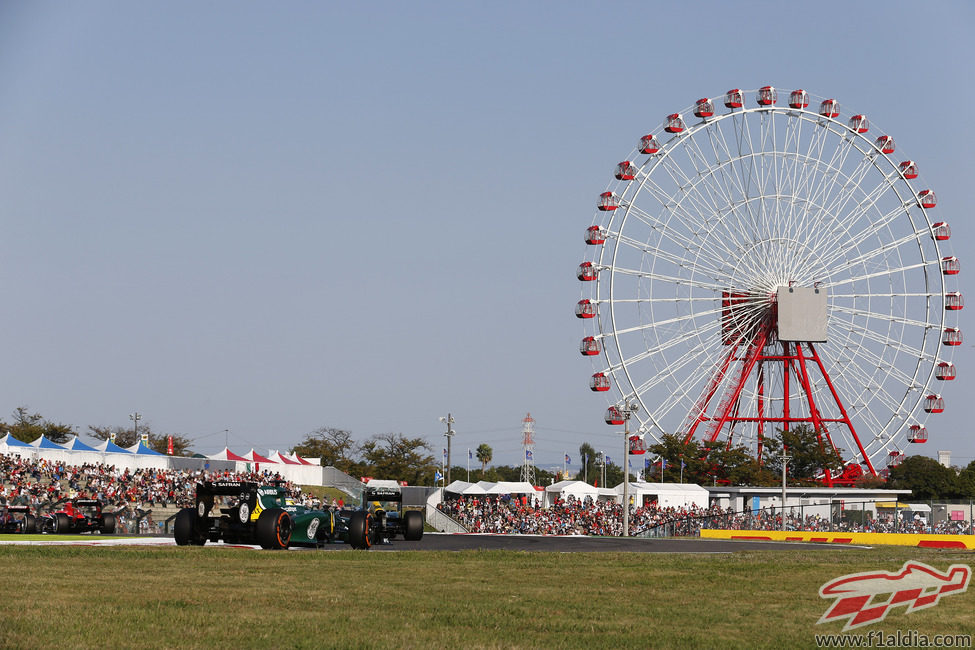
{"points": [[437, 476], [646, 462], [528, 454], [568, 461], [609, 461], [445, 455], [663, 463], [470, 455]]}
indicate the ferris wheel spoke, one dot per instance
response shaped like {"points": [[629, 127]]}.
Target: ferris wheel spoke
{"points": [[836, 262], [694, 241], [886, 318], [830, 284]]}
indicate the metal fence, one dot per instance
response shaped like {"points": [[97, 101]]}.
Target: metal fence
{"points": [[931, 517]]}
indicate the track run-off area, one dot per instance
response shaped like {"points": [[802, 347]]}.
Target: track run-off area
{"points": [[469, 542]]}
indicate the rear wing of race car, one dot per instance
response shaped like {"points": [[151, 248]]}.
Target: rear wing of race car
{"points": [[225, 488], [382, 494], [16, 508], [87, 503]]}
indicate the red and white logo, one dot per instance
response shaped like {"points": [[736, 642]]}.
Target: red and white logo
{"points": [[916, 586]]}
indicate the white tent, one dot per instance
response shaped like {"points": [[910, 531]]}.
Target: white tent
{"points": [[665, 495], [565, 489]]}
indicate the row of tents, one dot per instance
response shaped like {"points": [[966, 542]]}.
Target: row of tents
{"points": [[675, 495], [306, 471]]}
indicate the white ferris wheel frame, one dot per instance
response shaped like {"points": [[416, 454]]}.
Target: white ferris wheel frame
{"points": [[757, 142]]}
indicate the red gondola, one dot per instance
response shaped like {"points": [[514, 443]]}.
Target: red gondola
{"points": [[829, 108], [734, 99], [674, 123], [589, 347], [585, 309], [587, 272], [767, 96], [934, 404], [951, 336], [859, 124], [613, 416], [950, 265], [625, 171], [885, 143], [649, 144], [954, 301], [927, 198], [917, 434], [637, 445], [895, 458], [703, 108], [608, 201], [909, 169], [945, 371], [798, 99], [941, 232], [595, 235], [599, 383]]}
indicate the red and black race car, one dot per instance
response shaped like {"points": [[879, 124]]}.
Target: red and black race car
{"points": [[16, 519], [77, 516]]}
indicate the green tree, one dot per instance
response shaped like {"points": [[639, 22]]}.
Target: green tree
{"points": [[587, 457], [28, 427], [926, 478], [484, 454], [966, 482], [334, 446], [810, 456], [394, 456]]}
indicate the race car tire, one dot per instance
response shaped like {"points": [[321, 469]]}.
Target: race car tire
{"points": [[274, 529], [412, 525], [62, 523], [360, 535], [184, 528], [30, 524], [108, 523]]}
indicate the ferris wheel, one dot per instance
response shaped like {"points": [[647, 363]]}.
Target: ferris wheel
{"points": [[758, 266]]}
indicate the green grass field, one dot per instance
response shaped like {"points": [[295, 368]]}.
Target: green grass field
{"points": [[167, 597]]}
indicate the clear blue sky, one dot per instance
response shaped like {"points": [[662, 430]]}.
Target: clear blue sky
{"points": [[272, 218]]}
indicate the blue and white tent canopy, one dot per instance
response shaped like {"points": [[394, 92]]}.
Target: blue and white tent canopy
{"points": [[110, 447], [44, 443], [75, 444], [9, 441], [140, 448]]}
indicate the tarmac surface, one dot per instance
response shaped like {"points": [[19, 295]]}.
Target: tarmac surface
{"points": [[472, 542]]}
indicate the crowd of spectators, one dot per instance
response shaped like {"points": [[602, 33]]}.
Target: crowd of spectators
{"points": [[131, 494], [507, 514]]}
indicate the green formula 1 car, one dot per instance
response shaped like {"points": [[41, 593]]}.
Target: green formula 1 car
{"points": [[380, 518], [248, 513]]}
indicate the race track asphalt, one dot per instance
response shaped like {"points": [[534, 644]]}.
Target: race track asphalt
{"points": [[552, 544]]}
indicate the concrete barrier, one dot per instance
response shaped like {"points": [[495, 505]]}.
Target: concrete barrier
{"points": [[869, 539]]}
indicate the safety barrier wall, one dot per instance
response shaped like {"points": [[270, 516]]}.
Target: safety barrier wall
{"points": [[869, 539]]}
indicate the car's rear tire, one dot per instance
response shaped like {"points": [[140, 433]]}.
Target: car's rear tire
{"points": [[108, 523], [184, 528], [30, 524], [62, 523], [360, 523], [412, 525], [274, 529]]}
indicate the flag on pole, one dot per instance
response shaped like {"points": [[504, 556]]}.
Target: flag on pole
{"points": [[646, 462], [470, 455], [663, 464], [528, 454], [682, 465], [437, 476], [609, 461], [445, 455], [568, 461], [585, 459]]}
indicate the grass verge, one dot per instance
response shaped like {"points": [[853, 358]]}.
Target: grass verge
{"points": [[164, 597]]}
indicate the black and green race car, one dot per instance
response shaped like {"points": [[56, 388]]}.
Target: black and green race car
{"points": [[249, 513], [379, 519]]}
